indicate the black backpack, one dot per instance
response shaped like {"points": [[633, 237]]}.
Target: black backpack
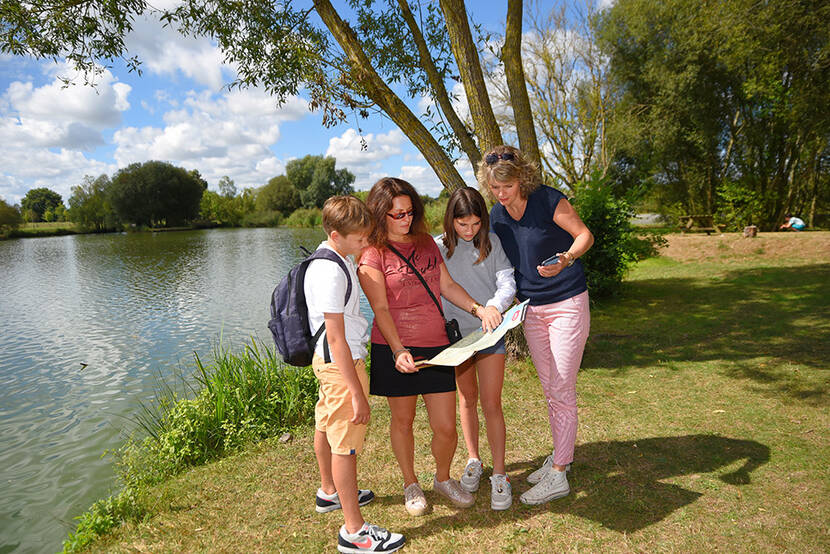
{"points": [[289, 312]]}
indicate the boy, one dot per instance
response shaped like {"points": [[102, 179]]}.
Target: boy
{"points": [[342, 411], [793, 223]]}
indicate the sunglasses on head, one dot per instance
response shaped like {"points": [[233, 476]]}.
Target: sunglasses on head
{"points": [[401, 215], [490, 159]]}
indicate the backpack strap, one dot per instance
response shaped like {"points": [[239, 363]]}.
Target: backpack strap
{"points": [[332, 256]]}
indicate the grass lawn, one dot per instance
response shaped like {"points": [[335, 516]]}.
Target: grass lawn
{"points": [[704, 426], [44, 229]]}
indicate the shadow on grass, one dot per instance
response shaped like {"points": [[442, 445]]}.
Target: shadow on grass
{"points": [[746, 315], [616, 483]]}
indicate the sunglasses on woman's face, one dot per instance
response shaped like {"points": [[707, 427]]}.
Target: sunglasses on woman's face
{"points": [[490, 159], [401, 215]]}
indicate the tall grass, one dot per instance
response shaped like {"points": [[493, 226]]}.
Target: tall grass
{"points": [[235, 399]]}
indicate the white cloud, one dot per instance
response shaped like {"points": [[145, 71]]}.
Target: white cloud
{"points": [[99, 107], [423, 178], [165, 51], [59, 171], [367, 164], [219, 134], [43, 129], [349, 151]]}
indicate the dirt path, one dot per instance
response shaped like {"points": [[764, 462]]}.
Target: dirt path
{"points": [[806, 246]]}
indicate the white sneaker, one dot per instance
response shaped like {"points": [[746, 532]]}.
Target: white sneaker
{"points": [[369, 538], [537, 475], [552, 486], [453, 491], [472, 475], [414, 500], [501, 492]]}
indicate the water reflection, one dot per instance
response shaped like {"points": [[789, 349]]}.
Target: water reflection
{"points": [[126, 306]]}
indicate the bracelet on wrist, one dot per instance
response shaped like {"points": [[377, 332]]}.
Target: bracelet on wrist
{"points": [[571, 259], [476, 307], [396, 352]]}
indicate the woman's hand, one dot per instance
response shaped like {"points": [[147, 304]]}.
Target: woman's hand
{"points": [[405, 363], [490, 318], [554, 269]]}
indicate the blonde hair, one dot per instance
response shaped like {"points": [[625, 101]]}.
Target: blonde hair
{"points": [[501, 170], [345, 214]]}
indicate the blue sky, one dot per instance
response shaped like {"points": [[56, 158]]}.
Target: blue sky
{"points": [[178, 111]]}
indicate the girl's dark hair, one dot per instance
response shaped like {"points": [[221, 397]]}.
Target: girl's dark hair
{"points": [[379, 203], [465, 202]]}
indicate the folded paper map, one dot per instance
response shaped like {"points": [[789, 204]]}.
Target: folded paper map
{"points": [[478, 340]]}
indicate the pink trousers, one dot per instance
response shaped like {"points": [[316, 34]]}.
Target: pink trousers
{"points": [[556, 335]]}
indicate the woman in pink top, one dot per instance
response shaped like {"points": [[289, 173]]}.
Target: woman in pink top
{"points": [[409, 326]]}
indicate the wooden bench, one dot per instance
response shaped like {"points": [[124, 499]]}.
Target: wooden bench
{"points": [[700, 223]]}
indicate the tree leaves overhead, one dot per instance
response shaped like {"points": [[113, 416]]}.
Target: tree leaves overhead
{"points": [[88, 33], [344, 66]]}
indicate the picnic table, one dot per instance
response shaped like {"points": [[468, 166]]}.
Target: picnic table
{"points": [[702, 223]]}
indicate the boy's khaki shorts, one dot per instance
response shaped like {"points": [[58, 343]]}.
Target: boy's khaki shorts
{"points": [[333, 412]]}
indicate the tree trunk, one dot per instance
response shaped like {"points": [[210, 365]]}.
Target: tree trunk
{"points": [[386, 99], [468, 145], [469, 66], [511, 56]]}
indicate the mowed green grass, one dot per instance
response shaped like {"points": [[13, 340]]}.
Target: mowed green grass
{"points": [[704, 426]]}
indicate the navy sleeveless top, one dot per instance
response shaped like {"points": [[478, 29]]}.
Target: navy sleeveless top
{"points": [[532, 239]]}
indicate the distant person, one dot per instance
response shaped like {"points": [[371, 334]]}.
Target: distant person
{"points": [[534, 222], [476, 261], [342, 412], [793, 223], [409, 324]]}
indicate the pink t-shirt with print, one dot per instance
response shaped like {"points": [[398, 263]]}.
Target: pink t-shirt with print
{"points": [[416, 317]]}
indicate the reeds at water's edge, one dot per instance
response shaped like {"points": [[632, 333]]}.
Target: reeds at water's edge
{"points": [[236, 399]]}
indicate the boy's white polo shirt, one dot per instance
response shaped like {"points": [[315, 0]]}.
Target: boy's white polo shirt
{"points": [[325, 289]]}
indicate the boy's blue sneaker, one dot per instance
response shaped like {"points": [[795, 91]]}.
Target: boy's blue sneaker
{"points": [[370, 538], [329, 502]]}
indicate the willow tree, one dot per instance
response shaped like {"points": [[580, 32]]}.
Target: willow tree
{"points": [[567, 78], [724, 103], [344, 66]]}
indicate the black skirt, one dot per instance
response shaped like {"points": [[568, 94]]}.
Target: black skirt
{"points": [[385, 380]]}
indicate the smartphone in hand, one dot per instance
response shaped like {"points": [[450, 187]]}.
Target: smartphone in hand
{"points": [[552, 260]]}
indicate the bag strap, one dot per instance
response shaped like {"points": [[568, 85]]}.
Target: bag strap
{"points": [[423, 282], [327, 254]]}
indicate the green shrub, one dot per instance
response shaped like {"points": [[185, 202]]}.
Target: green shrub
{"points": [[738, 205], [262, 219], [305, 217], [615, 243], [435, 215]]}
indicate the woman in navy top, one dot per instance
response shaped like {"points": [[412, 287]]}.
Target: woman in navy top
{"points": [[534, 223]]}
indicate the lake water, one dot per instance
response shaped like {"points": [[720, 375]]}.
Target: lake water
{"points": [[129, 308]]}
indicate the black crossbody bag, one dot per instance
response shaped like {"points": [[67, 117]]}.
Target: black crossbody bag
{"points": [[453, 331]]}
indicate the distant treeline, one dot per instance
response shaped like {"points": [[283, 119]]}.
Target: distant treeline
{"points": [[158, 194]]}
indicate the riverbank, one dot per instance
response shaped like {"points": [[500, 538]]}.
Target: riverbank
{"points": [[703, 425]]}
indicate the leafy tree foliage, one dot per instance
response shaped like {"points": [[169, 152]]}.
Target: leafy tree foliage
{"points": [[38, 200], [227, 188], [345, 67], [89, 205], [10, 217], [317, 179], [156, 193], [279, 195], [722, 104]]}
